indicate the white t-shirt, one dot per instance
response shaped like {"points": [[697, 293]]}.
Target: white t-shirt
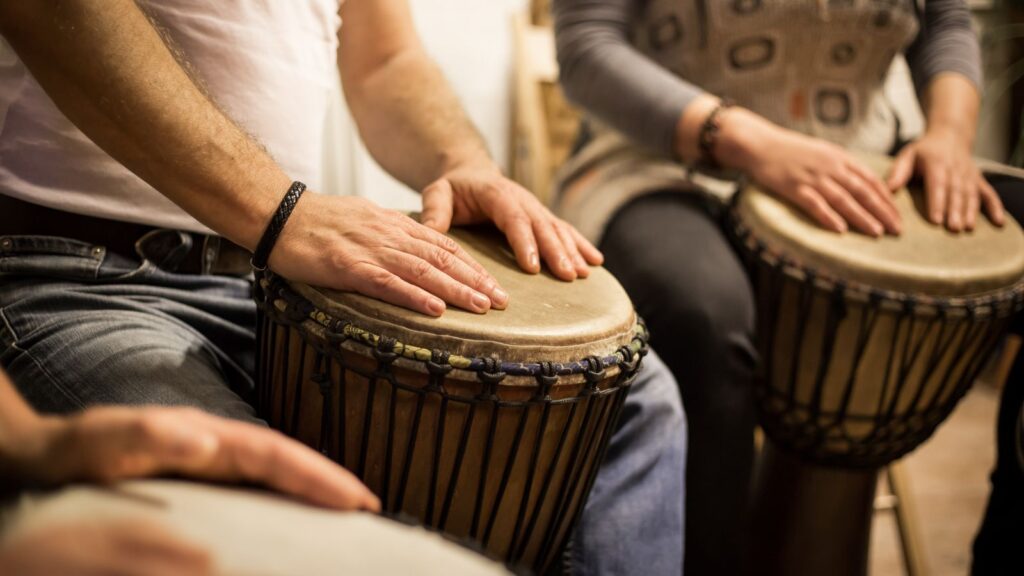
{"points": [[269, 64]]}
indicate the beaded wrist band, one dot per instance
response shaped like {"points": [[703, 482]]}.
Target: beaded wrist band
{"points": [[276, 225], [708, 135]]}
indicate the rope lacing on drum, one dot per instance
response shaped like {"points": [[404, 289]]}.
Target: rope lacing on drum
{"points": [[384, 352], [594, 373], [491, 373], [546, 379], [338, 332], [438, 363]]}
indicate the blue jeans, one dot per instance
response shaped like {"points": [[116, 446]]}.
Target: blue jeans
{"points": [[80, 327]]}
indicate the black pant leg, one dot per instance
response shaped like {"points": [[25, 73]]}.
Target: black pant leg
{"points": [[669, 253], [997, 545]]}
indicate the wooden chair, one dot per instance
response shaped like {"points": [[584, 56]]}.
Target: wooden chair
{"points": [[544, 124]]}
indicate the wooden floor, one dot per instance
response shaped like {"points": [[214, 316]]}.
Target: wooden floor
{"points": [[948, 476]]}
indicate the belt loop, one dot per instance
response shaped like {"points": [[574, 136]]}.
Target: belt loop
{"points": [[211, 253]]}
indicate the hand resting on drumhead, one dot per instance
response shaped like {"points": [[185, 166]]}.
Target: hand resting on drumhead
{"points": [[955, 189], [108, 444], [822, 179], [478, 192], [124, 548]]}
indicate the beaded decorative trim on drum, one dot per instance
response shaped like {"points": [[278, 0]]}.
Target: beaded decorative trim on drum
{"points": [[274, 291]]}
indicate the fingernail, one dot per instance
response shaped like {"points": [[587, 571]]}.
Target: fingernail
{"points": [[435, 306], [499, 296], [481, 302], [936, 217], [533, 260], [564, 264]]}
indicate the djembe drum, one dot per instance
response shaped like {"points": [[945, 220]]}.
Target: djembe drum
{"points": [[866, 347], [247, 532], [486, 427]]}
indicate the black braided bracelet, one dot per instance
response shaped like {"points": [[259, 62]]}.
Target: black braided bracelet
{"points": [[709, 134], [276, 225]]}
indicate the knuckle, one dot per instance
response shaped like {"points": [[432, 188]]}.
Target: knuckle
{"points": [[444, 259], [421, 269], [145, 428], [380, 280], [480, 282], [447, 243]]}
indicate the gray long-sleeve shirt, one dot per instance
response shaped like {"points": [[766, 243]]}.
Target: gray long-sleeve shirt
{"points": [[816, 66]]}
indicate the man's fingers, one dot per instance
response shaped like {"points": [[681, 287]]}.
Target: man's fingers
{"points": [[552, 250], [877, 204], [593, 256], [515, 224], [847, 207], [261, 455], [447, 243], [935, 189], [450, 264], [814, 205], [107, 444], [423, 274], [153, 550], [991, 201], [376, 282], [569, 243], [130, 443], [437, 205], [902, 168]]}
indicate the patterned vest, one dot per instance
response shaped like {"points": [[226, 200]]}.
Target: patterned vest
{"points": [[816, 66]]}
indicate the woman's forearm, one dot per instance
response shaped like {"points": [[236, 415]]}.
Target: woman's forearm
{"points": [[950, 103], [604, 74]]}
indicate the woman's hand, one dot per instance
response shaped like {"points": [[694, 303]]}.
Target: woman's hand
{"points": [[954, 187], [108, 444], [478, 192], [820, 178]]}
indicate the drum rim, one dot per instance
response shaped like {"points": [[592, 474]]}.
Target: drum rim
{"points": [[270, 288], [981, 304]]}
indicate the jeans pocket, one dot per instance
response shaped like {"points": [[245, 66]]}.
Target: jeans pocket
{"points": [[62, 258]]}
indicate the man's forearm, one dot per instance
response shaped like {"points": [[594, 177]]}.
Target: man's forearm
{"points": [[411, 121], [108, 70]]}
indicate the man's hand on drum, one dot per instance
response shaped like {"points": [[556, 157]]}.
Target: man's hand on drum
{"points": [[103, 548], [350, 243], [820, 178], [478, 192], [107, 444], [954, 187]]}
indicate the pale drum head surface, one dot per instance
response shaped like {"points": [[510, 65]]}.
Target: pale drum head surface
{"points": [[258, 534], [546, 320], [924, 259]]}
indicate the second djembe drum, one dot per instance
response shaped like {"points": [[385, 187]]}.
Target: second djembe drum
{"points": [[487, 427], [866, 346]]}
